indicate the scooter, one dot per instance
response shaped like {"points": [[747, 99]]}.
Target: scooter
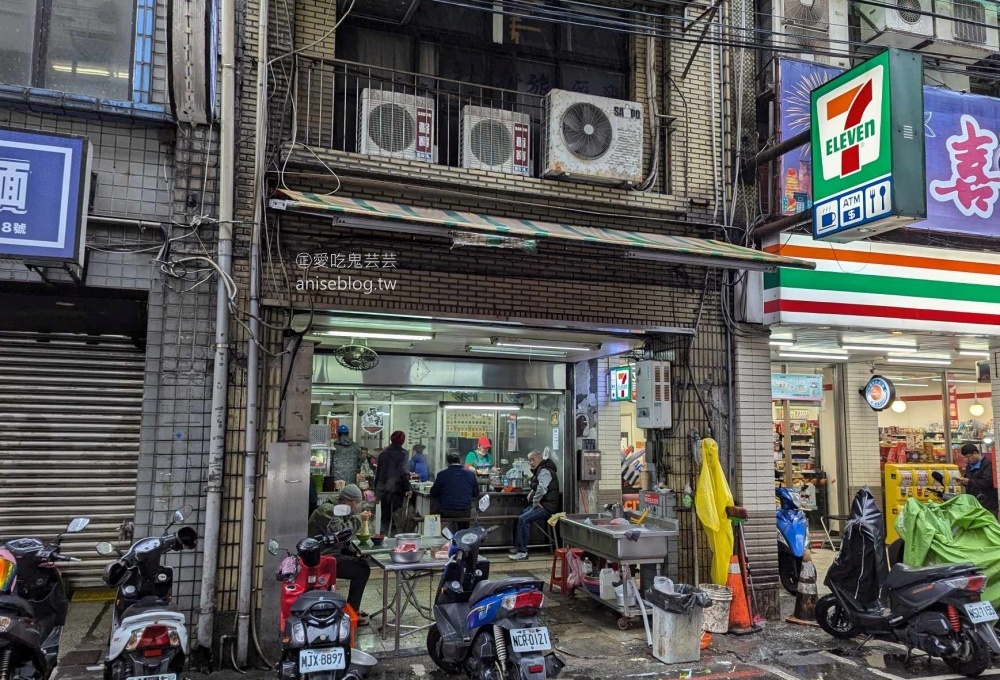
{"points": [[488, 629], [33, 605], [935, 609], [149, 639], [316, 623], [792, 531]]}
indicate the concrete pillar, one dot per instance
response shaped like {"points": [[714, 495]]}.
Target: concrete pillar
{"points": [[995, 384], [754, 483], [859, 425]]}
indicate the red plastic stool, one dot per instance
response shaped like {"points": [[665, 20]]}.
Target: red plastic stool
{"points": [[559, 559]]}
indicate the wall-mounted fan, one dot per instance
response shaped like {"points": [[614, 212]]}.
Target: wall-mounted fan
{"points": [[357, 357]]}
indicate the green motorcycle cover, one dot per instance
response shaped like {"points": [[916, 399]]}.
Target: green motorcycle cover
{"points": [[956, 531]]}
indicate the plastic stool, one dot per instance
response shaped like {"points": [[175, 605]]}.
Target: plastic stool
{"points": [[559, 559]]}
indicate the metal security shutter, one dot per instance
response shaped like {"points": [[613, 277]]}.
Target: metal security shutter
{"points": [[70, 409]]}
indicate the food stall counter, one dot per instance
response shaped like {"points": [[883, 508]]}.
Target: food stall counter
{"points": [[505, 507]]}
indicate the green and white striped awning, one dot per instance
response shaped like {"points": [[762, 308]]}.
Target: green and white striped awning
{"points": [[679, 249]]}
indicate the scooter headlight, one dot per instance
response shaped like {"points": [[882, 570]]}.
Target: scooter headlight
{"points": [[298, 633], [345, 628], [5, 622]]}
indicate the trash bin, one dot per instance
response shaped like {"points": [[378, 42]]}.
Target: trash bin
{"points": [[677, 623]]}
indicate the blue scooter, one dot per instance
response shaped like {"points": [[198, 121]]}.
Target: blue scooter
{"points": [[793, 528], [488, 629]]}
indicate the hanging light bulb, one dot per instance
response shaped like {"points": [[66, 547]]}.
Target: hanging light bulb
{"points": [[977, 409], [898, 406]]}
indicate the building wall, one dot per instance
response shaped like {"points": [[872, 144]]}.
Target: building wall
{"points": [[860, 425]]}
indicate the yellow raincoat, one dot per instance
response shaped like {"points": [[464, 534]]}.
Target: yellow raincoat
{"points": [[711, 499]]}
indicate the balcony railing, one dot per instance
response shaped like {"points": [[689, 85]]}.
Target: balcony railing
{"points": [[332, 93]]}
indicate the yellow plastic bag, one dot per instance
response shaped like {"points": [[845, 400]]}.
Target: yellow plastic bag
{"points": [[712, 497]]}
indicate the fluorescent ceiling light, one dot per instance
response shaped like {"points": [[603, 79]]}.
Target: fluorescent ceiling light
{"points": [[870, 347], [515, 351], [912, 385], [804, 355], [919, 362], [540, 344], [973, 353], [956, 380], [378, 335], [781, 343], [478, 406]]}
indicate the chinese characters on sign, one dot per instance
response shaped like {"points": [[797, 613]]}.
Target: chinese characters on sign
{"points": [[346, 261], [521, 149], [425, 133], [974, 183], [43, 183]]}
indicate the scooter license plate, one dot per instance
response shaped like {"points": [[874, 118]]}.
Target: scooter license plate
{"points": [[317, 660], [165, 676], [981, 612], [530, 640]]}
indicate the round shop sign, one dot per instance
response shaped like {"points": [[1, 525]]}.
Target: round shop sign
{"points": [[879, 393]]}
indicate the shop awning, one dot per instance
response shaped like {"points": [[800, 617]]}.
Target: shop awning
{"points": [[674, 249]]}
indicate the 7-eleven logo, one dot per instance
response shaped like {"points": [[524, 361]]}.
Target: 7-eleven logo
{"points": [[850, 123]]}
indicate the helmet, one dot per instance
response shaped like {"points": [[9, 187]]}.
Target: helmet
{"points": [[308, 550], [343, 429]]}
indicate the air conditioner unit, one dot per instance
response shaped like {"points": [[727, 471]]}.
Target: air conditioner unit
{"points": [[652, 395], [804, 25], [592, 139], [396, 125], [965, 28], [495, 140], [906, 25]]}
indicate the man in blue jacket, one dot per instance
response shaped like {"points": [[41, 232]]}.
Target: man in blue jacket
{"points": [[455, 489]]}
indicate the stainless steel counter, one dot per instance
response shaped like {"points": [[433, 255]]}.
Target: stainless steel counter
{"points": [[593, 533]]}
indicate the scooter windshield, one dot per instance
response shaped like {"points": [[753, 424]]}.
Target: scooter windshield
{"points": [[8, 572]]}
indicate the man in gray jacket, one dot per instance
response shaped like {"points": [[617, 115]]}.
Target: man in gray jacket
{"points": [[346, 462]]}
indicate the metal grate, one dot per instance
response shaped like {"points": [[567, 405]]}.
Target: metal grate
{"points": [[391, 127], [974, 13], [909, 10], [491, 142]]}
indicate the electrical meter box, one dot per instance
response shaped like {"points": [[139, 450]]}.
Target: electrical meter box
{"points": [[652, 402], [660, 504], [590, 466]]}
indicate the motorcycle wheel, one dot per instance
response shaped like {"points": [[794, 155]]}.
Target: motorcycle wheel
{"points": [[434, 651], [972, 660], [832, 618], [788, 571]]}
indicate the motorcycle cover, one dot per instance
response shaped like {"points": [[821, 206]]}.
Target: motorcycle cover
{"points": [[711, 500], [861, 563], [958, 530]]}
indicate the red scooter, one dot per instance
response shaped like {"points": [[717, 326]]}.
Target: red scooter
{"points": [[317, 625]]}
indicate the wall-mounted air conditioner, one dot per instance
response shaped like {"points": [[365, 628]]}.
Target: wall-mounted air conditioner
{"points": [[495, 140], [965, 28], [396, 125], [814, 30], [907, 25], [592, 139]]}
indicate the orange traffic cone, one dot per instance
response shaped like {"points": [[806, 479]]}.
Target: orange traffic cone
{"points": [[805, 599], [740, 622]]}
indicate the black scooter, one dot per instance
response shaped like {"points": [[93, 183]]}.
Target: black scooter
{"points": [[935, 609], [33, 605]]}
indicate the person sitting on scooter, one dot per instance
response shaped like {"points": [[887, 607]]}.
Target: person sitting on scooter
{"points": [[545, 501], [978, 480], [350, 566]]}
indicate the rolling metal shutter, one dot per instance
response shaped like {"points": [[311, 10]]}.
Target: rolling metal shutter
{"points": [[70, 410]]}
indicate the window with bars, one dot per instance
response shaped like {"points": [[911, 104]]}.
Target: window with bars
{"points": [[99, 48], [970, 17]]}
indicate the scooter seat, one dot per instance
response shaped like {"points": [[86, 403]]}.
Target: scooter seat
{"points": [[16, 605], [141, 608], [485, 589], [902, 575]]}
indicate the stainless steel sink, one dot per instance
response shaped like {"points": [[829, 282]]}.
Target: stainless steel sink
{"points": [[594, 534]]}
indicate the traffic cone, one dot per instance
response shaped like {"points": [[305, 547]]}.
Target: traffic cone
{"points": [[740, 622], [805, 600]]}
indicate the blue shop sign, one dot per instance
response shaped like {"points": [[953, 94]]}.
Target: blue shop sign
{"points": [[44, 184]]}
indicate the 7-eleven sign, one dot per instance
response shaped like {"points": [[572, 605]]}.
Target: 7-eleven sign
{"points": [[621, 383], [868, 148]]}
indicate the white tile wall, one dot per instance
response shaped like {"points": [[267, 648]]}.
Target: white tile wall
{"points": [[608, 430], [861, 423]]}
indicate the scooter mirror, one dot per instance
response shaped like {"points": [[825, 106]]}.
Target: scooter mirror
{"points": [[484, 503], [938, 477], [342, 511], [105, 548], [183, 514], [273, 547], [446, 532], [77, 525]]}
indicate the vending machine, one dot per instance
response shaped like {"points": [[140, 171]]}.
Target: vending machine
{"points": [[903, 482]]}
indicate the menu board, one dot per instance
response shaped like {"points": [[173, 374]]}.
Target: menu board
{"points": [[797, 386]]}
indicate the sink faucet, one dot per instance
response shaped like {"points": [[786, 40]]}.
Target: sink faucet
{"points": [[614, 509]]}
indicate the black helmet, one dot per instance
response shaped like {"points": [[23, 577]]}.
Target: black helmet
{"points": [[308, 550]]}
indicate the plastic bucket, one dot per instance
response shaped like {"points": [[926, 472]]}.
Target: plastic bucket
{"points": [[716, 618], [677, 637]]}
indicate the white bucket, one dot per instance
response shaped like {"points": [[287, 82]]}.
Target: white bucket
{"points": [[620, 596], [608, 579], [677, 637], [716, 618]]}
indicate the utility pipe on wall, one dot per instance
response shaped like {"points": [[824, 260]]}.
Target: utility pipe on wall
{"points": [[220, 372]]}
